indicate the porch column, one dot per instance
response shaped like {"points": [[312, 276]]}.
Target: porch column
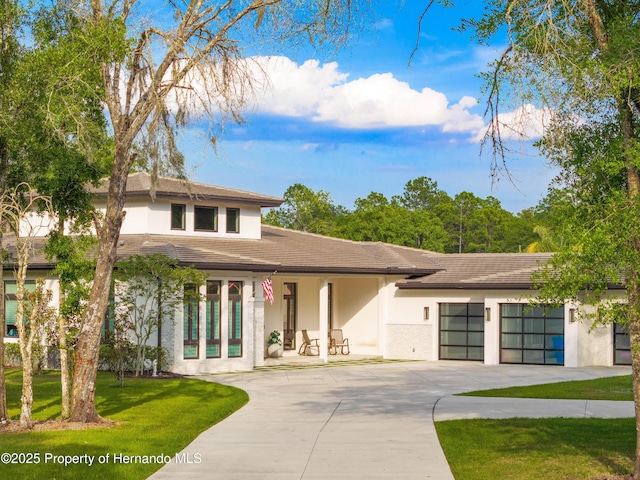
{"points": [[258, 323], [382, 316], [324, 319]]}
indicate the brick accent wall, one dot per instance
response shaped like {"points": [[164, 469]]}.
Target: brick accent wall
{"points": [[409, 341]]}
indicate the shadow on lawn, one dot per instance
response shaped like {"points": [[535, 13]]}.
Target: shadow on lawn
{"points": [[112, 400]]}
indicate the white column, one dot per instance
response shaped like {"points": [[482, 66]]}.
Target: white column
{"points": [[571, 333], [491, 331], [382, 315], [258, 323], [323, 319]]}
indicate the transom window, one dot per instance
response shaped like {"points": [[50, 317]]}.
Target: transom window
{"points": [[205, 219], [178, 216], [233, 220]]}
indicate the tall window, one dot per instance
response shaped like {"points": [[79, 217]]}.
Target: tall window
{"points": [[11, 306], [532, 335], [191, 321], [233, 220], [235, 319], [178, 216], [213, 318], [205, 219]]}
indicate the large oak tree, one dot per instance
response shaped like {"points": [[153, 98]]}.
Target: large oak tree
{"points": [[161, 64], [579, 62]]}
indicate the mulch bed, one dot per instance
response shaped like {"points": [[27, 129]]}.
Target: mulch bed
{"points": [[49, 425]]}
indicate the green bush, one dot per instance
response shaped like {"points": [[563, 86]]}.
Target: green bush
{"points": [[119, 357], [12, 357]]}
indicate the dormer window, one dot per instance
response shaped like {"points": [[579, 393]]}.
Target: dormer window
{"points": [[233, 220], [178, 216], [205, 219]]}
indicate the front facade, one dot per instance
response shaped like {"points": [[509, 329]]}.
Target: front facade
{"points": [[389, 301]]}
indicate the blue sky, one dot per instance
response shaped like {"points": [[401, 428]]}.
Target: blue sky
{"points": [[362, 120]]}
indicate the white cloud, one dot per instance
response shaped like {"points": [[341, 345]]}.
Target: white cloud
{"points": [[324, 94], [524, 123]]}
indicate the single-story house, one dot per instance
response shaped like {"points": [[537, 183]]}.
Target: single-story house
{"points": [[389, 301]]}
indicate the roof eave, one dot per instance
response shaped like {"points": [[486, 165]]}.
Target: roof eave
{"points": [[260, 202], [463, 286], [296, 269], [476, 286]]}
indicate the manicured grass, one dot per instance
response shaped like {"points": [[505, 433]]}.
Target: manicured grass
{"points": [[550, 448], [534, 449], [609, 388], [155, 417]]}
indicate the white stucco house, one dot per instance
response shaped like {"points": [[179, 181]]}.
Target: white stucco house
{"points": [[390, 301]]}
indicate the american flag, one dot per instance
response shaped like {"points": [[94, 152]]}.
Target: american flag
{"points": [[267, 288]]}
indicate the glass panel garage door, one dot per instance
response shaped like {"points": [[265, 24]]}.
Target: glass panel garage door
{"points": [[621, 345], [533, 335], [461, 331]]}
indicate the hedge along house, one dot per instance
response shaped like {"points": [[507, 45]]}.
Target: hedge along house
{"points": [[390, 301]]}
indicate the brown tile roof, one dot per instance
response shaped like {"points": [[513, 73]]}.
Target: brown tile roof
{"points": [[286, 251], [480, 271], [291, 251], [140, 185], [37, 260]]}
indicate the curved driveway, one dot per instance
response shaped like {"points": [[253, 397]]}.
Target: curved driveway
{"points": [[364, 421]]}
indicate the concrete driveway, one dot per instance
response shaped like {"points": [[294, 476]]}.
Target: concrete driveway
{"points": [[362, 421]]}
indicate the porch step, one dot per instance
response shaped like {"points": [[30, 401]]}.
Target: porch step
{"points": [[293, 365]]}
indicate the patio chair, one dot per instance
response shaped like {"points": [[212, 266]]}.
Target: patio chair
{"points": [[337, 340], [308, 345]]}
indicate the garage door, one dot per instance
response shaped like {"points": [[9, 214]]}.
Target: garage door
{"points": [[533, 335], [461, 331]]}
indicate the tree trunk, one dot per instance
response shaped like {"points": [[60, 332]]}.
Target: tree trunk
{"points": [[633, 196], [4, 165], [4, 414], [25, 338], [634, 335], [633, 276], [88, 348], [64, 361], [26, 399], [65, 381]]}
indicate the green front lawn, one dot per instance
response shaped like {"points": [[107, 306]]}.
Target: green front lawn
{"points": [[154, 417], [549, 448], [608, 388], [534, 449]]}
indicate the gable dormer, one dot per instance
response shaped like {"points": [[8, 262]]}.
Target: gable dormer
{"points": [[172, 206]]}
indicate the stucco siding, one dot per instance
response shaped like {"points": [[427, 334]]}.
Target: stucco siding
{"points": [[357, 314]]}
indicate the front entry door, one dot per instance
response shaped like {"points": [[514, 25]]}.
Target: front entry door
{"points": [[289, 316]]}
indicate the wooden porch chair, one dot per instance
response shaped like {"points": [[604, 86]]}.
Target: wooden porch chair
{"points": [[308, 345], [337, 340]]}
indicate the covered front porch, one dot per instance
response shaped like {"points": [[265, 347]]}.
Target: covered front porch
{"points": [[355, 305]]}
